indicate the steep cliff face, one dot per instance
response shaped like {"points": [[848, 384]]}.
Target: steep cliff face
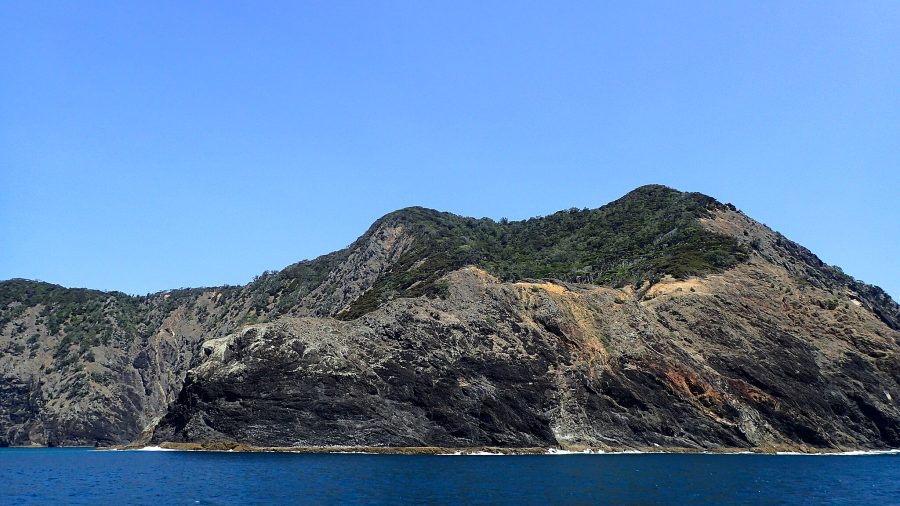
{"points": [[55, 390], [664, 318], [84, 367], [745, 358]]}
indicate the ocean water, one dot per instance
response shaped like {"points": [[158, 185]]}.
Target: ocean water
{"points": [[82, 476]]}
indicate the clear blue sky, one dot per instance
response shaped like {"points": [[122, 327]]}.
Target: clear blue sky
{"points": [[154, 145]]}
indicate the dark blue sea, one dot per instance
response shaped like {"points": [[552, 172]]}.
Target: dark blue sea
{"points": [[82, 476]]}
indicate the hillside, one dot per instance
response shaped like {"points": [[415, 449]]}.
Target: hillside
{"points": [[663, 318]]}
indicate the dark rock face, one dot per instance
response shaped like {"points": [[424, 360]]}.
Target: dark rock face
{"points": [[16, 405], [128, 367], [717, 362], [348, 384], [106, 399], [391, 342]]}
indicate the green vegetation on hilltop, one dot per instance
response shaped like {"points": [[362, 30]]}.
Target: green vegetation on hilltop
{"points": [[84, 317], [289, 285], [651, 232]]}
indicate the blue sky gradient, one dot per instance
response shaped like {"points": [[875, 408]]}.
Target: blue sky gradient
{"points": [[154, 145]]}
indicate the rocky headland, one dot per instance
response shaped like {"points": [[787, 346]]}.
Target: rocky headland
{"points": [[661, 320]]}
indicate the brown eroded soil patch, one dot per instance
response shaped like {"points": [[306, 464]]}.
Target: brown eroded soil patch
{"points": [[546, 286], [670, 286]]}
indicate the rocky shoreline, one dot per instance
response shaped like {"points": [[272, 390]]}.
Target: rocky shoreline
{"points": [[493, 450]]}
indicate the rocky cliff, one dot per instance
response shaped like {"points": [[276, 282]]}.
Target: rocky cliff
{"points": [[664, 318]]}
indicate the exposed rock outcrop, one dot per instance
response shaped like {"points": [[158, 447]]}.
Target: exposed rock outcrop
{"points": [[724, 361]]}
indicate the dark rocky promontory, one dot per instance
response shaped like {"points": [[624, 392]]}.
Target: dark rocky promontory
{"points": [[661, 319]]}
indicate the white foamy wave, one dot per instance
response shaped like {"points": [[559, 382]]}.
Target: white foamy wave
{"points": [[155, 449], [557, 451], [473, 453], [589, 451]]}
